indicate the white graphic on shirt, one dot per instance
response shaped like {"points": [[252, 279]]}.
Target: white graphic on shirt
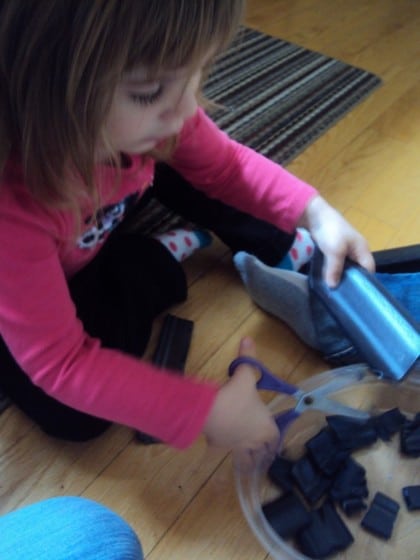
{"points": [[106, 220]]}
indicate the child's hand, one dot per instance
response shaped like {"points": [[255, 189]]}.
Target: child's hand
{"points": [[336, 238], [239, 420]]}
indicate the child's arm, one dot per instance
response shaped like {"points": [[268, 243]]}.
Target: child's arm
{"points": [[38, 322], [239, 176]]}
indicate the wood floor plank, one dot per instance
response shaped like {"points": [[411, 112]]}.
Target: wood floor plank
{"points": [[401, 120], [399, 78], [215, 318], [150, 486], [212, 527], [337, 141], [38, 466]]}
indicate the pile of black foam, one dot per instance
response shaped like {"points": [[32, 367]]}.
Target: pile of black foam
{"points": [[327, 476]]}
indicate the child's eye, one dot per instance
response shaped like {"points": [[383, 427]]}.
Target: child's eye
{"points": [[147, 98]]}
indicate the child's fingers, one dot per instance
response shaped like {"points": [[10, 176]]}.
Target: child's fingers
{"points": [[333, 268], [362, 255], [247, 347], [247, 460], [357, 250]]}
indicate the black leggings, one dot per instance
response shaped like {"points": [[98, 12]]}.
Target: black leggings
{"points": [[129, 283]]}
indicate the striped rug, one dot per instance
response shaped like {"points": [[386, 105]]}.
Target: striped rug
{"points": [[275, 97], [278, 98]]}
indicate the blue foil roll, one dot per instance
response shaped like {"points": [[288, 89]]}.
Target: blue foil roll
{"points": [[380, 328]]}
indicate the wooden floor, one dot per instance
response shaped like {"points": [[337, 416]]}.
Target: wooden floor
{"points": [[184, 505]]}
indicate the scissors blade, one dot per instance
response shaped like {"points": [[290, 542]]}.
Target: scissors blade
{"points": [[344, 377], [317, 399], [312, 401]]}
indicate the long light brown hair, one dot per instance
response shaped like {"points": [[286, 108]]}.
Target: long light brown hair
{"points": [[60, 63]]}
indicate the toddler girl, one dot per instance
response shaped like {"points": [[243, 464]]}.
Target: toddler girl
{"points": [[92, 95]]}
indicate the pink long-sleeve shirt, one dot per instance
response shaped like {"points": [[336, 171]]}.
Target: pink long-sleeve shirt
{"points": [[39, 252]]}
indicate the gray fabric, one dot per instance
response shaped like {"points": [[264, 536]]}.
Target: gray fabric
{"points": [[287, 295], [282, 293]]}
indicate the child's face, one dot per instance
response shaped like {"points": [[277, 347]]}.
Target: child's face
{"points": [[144, 112]]}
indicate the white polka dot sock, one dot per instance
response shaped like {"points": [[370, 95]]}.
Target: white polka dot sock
{"points": [[300, 252], [182, 243]]}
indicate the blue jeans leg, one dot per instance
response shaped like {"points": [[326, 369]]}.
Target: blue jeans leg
{"points": [[67, 528], [405, 287]]}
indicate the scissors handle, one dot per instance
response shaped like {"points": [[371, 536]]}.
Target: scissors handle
{"points": [[283, 419], [267, 380]]}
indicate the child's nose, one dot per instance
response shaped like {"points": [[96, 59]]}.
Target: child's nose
{"points": [[188, 103], [184, 106]]}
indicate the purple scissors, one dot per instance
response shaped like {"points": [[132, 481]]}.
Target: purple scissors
{"points": [[305, 400]]}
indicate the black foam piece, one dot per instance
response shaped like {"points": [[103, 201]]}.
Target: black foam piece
{"points": [[310, 481], [411, 495], [327, 533], [171, 352], [287, 515], [410, 437], [349, 482], [326, 452], [344, 426], [349, 487], [352, 433], [381, 515], [280, 473], [388, 423], [351, 506], [174, 342]]}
